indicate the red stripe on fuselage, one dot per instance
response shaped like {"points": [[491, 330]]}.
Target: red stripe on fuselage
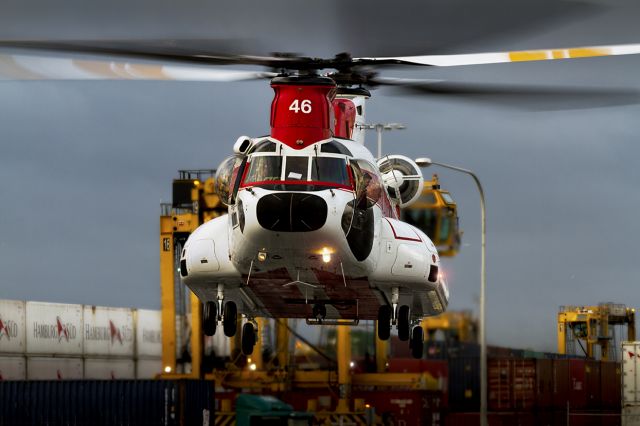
{"points": [[418, 239]]}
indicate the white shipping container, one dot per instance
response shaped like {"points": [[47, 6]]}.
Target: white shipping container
{"points": [[631, 416], [108, 331], [148, 333], [13, 368], [12, 327], [109, 369], [148, 368], [630, 374], [53, 329], [41, 368]]}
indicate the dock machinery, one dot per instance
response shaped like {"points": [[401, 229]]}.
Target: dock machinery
{"points": [[194, 202], [596, 327]]}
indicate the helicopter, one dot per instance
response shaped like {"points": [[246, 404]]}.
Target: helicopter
{"points": [[313, 229]]}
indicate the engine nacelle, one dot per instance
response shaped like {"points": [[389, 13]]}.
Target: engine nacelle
{"points": [[402, 177]]}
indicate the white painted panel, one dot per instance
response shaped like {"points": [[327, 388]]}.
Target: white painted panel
{"points": [[410, 261], [109, 369], [53, 328], [631, 373], [148, 368], [41, 368], [149, 333], [12, 327], [108, 331], [13, 368], [631, 416]]}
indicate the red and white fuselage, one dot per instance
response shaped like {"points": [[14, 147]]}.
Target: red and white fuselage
{"points": [[311, 220]]}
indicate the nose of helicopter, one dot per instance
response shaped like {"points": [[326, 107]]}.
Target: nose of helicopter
{"points": [[291, 212]]}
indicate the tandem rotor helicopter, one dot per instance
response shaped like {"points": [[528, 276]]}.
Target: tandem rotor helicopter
{"points": [[313, 229]]}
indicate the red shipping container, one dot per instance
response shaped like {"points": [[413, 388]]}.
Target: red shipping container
{"points": [[592, 382], [561, 383], [410, 408], [544, 384], [512, 384], [577, 385], [495, 419], [610, 389]]}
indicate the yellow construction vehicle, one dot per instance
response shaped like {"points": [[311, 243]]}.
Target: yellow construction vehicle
{"points": [[596, 327], [436, 214]]}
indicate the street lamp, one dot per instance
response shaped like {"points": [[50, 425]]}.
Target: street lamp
{"points": [[379, 127], [426, 162]]}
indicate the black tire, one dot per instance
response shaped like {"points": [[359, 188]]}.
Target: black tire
{"points": [[417, 342], [209, 318], [404, 326], [248, 338], [230, 323], [384, 322]]}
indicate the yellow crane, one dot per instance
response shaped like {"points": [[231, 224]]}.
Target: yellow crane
{"points": [[596, 327], [436, 214]]}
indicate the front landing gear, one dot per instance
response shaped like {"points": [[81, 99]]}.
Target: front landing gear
{"points": [[220, 311]]}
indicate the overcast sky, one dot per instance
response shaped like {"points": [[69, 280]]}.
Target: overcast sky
{"points": [[84, 165]]}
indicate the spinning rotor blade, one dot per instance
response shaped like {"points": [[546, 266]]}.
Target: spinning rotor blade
{"points": [[502, 57], [47, 67], [527, 97]]}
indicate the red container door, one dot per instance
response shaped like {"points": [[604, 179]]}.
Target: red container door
{"points": [[577, 384], [500, 380], [592, 381], [561, 383], [544, 394], [610, 379], [524, 384]]}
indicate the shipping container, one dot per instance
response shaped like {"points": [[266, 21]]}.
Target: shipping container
{"points": [[108, 331], [108, 402], [12, 327], [410, 408], [48, 368], [561, 384], [148, 333], [148, 368], [592, 383], [512, 384], [109, 369], [631, 415], [610, 385], [13, 368], [53, 329], [631, 374], [544, 389], [464, 384]]}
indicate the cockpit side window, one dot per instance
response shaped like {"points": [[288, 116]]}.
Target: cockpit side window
{"points": [[264, 168]]}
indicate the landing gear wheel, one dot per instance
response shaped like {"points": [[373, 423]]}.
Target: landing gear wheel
{"points": [[248, 338], [319, 311], [384, 322], [416, 343], [209, 318], [404, 325], [230, 323]]}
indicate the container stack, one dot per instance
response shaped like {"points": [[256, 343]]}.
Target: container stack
{"points": [[54, 341], [631, 384]]}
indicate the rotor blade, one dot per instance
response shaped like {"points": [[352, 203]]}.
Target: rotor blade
{"points": [[502, 57], [30, 67], [527, 97]]}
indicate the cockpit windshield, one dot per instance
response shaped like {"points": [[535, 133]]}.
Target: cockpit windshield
{"points": [[316, 171]]}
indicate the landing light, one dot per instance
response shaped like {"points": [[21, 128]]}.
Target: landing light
{"points": [[252, 367], [326, 255], [167, 369], [352, 364], [262, 256]]}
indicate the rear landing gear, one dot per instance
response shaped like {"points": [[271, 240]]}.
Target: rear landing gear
{"points": [[248, 338], [416, 343]]}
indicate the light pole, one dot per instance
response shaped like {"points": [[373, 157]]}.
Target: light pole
{"points": [[379, 127], [425, 162]]}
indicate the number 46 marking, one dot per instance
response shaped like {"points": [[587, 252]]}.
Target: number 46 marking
{"points": [[297, 106]]}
